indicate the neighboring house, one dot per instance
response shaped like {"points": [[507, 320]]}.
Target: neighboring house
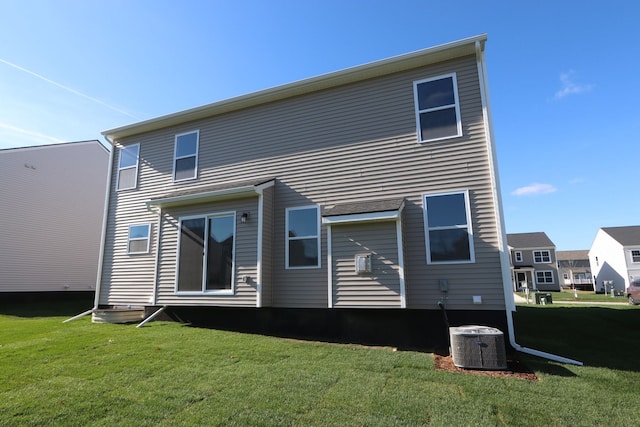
{"points": [[533, 261], [574, 270], [52, 201], [361, 196], [615, 257]]}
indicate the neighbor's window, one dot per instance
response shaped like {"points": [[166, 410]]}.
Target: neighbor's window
{"points": [[185, 164], [449, 236], [138, 239], [566, 276], [437, 108], [635, 255], [303, 237], [128, 167], [543, 277], [518, 256], [542, 257]]}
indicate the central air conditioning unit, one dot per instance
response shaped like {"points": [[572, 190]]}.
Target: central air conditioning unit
{"points": [[478, 347]]}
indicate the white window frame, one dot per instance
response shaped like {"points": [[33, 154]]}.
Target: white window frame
{"points": [[202, 290], [120, 168], [518, 256], [545, 273], [468, 227], [635, 257], [542, 256], [456, 106], [131, 239], [196, 155], [289, 239]]}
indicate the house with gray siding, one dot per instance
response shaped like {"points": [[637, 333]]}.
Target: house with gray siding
{"points": [[533, 262], [350, 205], [574, 270], [52, 200]]}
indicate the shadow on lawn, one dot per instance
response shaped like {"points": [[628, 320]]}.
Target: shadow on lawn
{"points": [[44, 306], [597, 336]]}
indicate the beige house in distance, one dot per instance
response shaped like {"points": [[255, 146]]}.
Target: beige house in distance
{"points": [[52, 201], [345, 206]]}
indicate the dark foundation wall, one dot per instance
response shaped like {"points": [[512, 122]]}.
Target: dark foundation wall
{"points": [[405, 329]]}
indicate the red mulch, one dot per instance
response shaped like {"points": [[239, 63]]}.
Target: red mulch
{"points": [[515, 369]]}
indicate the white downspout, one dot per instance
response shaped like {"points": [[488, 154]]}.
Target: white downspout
{"points": [[504, 260], [103, 233]]}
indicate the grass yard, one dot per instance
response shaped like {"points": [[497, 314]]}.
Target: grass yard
{"points": [[169, 374], [583, 296]]}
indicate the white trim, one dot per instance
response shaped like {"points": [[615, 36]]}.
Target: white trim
{"points": [[288, 239], [403, 295], [148, 238], [203, 291], [533, 254], [468, 227], [329, 268], [154, 297], [201, 197], [135, 181], [455, 105], [371, 216], [259, 249], [176, 158], [553, 279]]}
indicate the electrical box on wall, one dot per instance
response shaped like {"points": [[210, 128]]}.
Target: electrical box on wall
{"points": [[363, 263]]}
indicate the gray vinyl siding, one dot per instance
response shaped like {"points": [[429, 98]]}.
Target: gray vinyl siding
{"points": [[379, 289], [267, 247], [355, 142], [51, 209]]}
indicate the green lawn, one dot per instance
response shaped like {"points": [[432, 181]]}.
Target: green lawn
{"points": [[169, 374], [583, 296]]}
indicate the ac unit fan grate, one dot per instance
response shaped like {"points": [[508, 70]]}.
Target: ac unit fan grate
{"points": [[478, 347]]}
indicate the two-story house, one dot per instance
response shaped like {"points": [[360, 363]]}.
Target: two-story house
{"points": [[347, 205], [574, 270], [52, 200], [533, 261], [615, 257]]}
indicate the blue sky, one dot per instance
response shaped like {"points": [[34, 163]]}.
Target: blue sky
{"points": [[562, 79]]}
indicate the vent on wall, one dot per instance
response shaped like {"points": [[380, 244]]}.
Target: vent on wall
{"points": [[478, 347]]}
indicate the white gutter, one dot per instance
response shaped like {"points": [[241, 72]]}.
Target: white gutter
{"points": [[504, 255], [103, 234]]}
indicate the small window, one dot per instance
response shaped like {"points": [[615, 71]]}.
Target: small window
{"points": [[542, 257], [544, 277], [437, 108], [518, 256], [635, 255], [566, 276], [303, 237], [138, 239], [128, 167], [448, 227], [185, 165]]}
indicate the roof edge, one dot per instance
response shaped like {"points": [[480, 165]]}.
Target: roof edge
{"points": [[382, 67]]}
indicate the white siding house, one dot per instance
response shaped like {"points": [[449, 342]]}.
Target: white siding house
{"points": [[615, 257], [51, 207]]}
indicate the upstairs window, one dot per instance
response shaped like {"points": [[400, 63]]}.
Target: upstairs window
{"points": [[448, 227], [303, 237], [518, 256], [635, 255], [185, 163], [138, 239], [542, 257], [437, 108], [128, 167]]}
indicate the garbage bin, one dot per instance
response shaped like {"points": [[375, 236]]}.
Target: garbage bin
{"points": [[543, 296]]}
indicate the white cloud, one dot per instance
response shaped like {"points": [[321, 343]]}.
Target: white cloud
{"points": [[534, 189], [569, 87]]}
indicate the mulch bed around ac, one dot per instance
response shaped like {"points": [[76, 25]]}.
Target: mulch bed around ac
{"points": [[515, 369]]}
